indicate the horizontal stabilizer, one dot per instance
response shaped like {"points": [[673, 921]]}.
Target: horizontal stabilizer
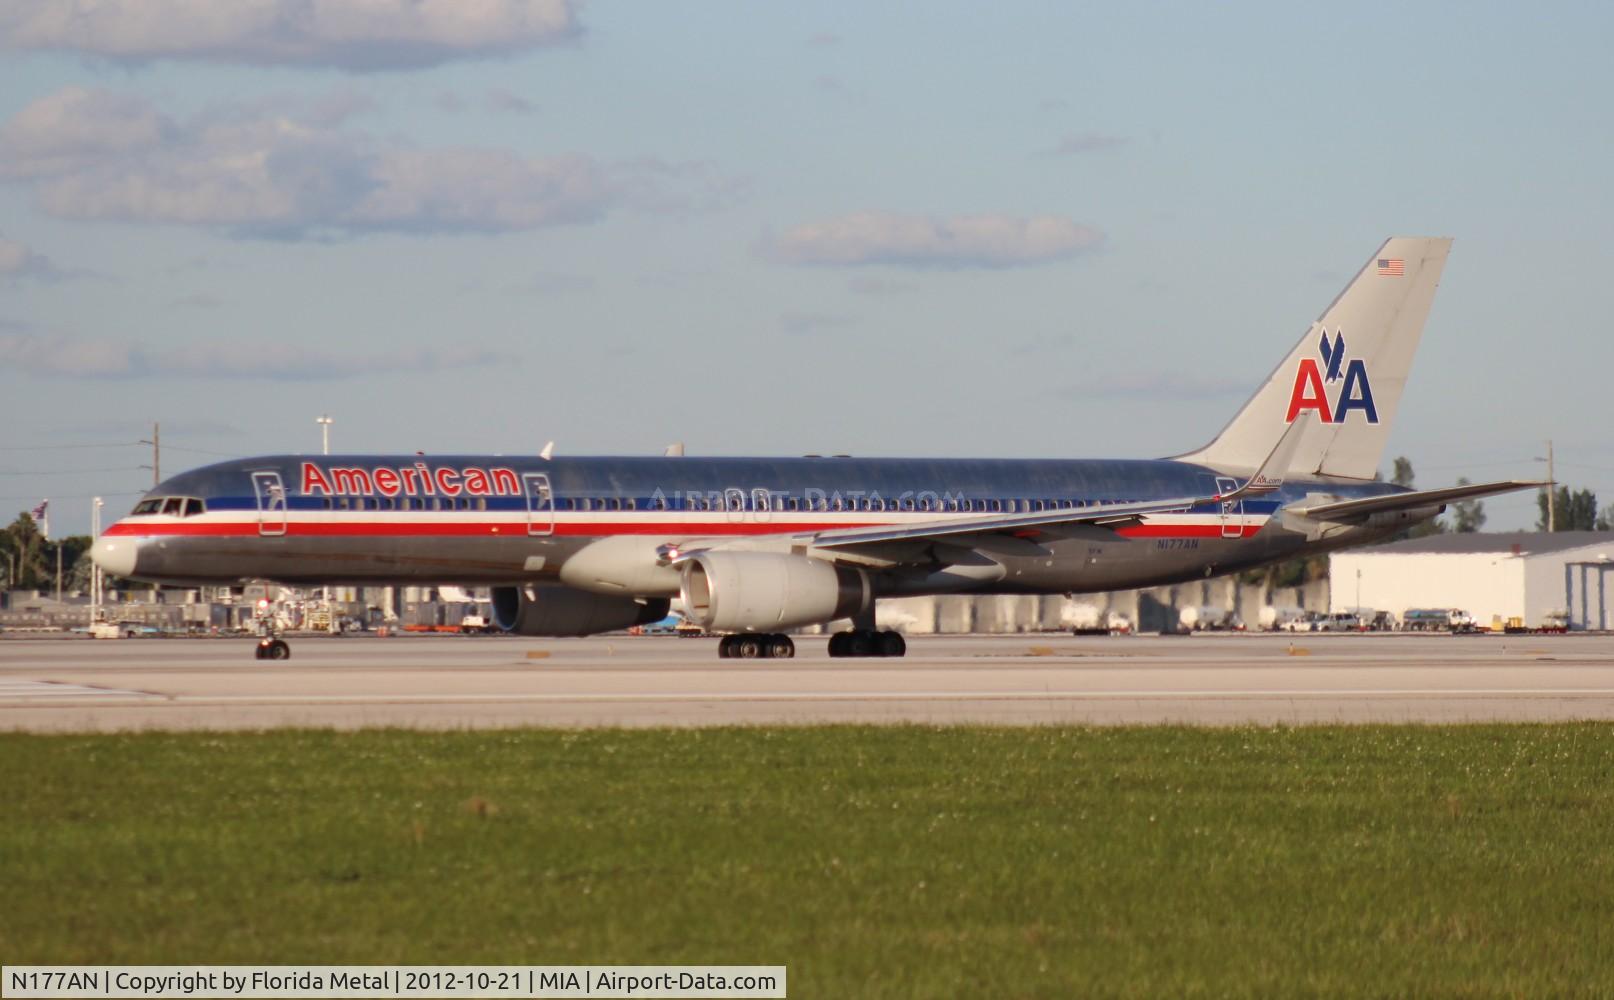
{"points": [[1350, 510]]}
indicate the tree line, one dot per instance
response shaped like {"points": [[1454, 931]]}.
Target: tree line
{"points": [[28, 558]]}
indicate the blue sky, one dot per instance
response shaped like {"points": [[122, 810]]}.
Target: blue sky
{"points": [[947, 229]]}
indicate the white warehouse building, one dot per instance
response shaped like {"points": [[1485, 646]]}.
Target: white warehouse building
{"points": [[1524, 574]]}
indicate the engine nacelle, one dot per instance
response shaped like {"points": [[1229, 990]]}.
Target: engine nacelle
{"points": [[546, 609], [769, 591]]}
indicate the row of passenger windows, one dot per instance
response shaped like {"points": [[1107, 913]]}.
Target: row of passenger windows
{"points": [[172, 506], [404, 503], [734, 501], [761, 501]]}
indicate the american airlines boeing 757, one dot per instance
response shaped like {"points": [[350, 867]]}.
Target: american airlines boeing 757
{"points": [[756, 547]]}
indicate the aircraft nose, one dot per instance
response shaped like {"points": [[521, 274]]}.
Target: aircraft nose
{"points": [[115, 555]]}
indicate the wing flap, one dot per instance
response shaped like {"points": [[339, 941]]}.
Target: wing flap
{"points": [[1348, 510]]}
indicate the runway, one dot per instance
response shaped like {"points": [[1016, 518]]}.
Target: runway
{"points": [[451, 682]]}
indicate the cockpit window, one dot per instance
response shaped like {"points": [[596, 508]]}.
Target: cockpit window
{"points": [[171, 506]]}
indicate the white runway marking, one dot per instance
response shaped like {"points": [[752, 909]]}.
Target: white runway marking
{"points": [[32, 691], [727, 696]]}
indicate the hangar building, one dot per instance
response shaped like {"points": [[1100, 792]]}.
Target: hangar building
{"points": [[1527, 574]]}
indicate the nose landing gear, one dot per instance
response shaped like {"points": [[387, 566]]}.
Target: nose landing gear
{"points": [[270, 648]]}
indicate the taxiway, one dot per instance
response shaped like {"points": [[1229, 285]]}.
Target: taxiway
{"points": [[454, 682]]}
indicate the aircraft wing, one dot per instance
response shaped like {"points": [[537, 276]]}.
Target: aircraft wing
{"points": [[1350, 510], [1024, 525], [1029, 524]]}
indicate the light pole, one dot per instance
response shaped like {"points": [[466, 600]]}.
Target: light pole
{"points": [[1552, 489], [324, 420], [95, 570]]}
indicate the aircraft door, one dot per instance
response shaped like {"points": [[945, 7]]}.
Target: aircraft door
{"points": [[271, 494], [540, 503], [1232, 510], [734, 502]]}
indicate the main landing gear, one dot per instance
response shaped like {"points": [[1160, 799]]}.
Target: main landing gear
{"points": [[752, 647], [867, 642]]}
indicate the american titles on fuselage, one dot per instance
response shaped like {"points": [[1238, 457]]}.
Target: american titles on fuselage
{"points": [[1310, 392], [413, 480]]}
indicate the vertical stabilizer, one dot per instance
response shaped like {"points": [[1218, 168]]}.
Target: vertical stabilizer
{"points": [[1348, 372]]}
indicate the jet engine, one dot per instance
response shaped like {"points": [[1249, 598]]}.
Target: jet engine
{"points": [[546, 609], [768, 591]]}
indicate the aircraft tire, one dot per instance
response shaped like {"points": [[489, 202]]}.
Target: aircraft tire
{"points": [[862, 642], [749, 647], [277, 650], [892, 644], [781, 647], [725, 647], [837, 644]]}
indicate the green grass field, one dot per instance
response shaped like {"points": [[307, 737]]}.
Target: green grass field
{"points": [[898, 861]]}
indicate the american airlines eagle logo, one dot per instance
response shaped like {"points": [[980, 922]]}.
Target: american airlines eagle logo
{"points": [[1315, 376]]}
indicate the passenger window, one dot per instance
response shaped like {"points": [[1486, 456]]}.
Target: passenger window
{"points": [[794, 503]]}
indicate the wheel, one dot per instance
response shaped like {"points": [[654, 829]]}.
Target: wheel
{"points": [[725, 647], [861, 643], [892, 644], [749, 647], [260, 651], [837, 644], [780, 647], [278, 650]]}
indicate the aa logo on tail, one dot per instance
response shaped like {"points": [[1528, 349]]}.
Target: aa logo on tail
{"points": [[1353, 390]]}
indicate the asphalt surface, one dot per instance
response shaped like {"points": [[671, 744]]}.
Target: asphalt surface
{"points": [[453, 682]]}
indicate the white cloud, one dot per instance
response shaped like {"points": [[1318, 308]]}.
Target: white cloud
{"points": [[359, 35], [510, 102], [1076, 144], [118, 358], [553, 282], [17, 261], [289, 169], [866, 285], [1157, 385], [888, 238], [802, 324]]}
